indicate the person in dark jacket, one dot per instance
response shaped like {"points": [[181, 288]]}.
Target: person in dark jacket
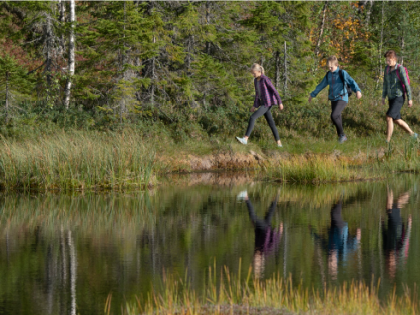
{"points": [[266, 96], [395, 87], [337, 94]]}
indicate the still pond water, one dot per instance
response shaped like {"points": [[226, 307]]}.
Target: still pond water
{"points": [[63, 254]]}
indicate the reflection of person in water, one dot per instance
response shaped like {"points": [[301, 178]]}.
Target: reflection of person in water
{"points": [[396, 236], [340, 244], [267, 239]]}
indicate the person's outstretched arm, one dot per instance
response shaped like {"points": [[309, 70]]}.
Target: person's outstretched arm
{"points": [[318, 88], [384, 87], [404, 79], [352, 83], [270, 212], [256, 103], [251, 212]]}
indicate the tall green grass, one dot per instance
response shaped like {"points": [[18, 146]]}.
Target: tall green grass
{"points": [[230, 294], [76, 160], [370, 161], [92, 160]]}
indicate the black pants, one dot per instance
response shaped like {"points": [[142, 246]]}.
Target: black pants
{"points": [[261, 226], [266, 111], [336, 109]]}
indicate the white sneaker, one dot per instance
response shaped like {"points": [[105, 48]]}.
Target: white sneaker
{"points": [[242, 195], [242, 140]]}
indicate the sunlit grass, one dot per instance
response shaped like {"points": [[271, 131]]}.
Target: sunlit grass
{"points": [[76, 160], [230, 294], [127, 160]]}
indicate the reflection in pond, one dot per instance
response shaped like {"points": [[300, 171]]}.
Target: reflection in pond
{"points": [[267, 238], [338, 243], [64, 254], [396, 235]]}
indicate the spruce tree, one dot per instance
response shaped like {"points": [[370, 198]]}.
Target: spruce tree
{"points": [[15, 85]]}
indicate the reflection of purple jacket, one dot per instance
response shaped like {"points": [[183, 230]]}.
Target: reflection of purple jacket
{"points": [[266, 238], [271, 240], [269, 94]]}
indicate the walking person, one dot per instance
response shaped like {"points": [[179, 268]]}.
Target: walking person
{"points": [[339, 82], [266, 96], [396, 86]]}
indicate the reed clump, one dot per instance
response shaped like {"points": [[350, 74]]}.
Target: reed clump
{"points": [[317, 169], [232, 295], [370, 163], [76, 160]]}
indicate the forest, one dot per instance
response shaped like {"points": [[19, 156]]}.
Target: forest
{"points": [[182, 67]]}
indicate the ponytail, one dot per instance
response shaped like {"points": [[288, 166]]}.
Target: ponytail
{"points": [[257, 67]]}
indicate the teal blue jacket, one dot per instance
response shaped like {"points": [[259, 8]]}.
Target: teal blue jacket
{"points": [[336, 92]]}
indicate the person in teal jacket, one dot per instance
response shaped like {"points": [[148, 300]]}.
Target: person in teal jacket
{"points": [[337, 94]]}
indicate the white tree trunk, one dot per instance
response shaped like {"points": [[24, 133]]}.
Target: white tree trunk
{"points": [[71, 65], [73, 272], [381, 44], [277, 70], [321, 31], [286, 74]]}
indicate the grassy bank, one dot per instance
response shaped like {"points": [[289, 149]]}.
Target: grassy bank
{"points": [[76, 160], [232, 295], [93, 160]]}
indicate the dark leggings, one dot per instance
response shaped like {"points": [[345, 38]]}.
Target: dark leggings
{"points": [[266, 111], [336, 109]]}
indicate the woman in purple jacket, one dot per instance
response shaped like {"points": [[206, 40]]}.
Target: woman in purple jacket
{"points": [[265, 97]]}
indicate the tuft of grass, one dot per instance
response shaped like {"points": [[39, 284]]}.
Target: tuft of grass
{"points": [[76, 161], [232, 295]]}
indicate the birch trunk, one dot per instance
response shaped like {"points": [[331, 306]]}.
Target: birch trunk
{"points": [[381, 44], [277, 75], [73, 272], [321, 31], [368, 13], [286, 77], [62, 19], [152, 92], [71, 54]]}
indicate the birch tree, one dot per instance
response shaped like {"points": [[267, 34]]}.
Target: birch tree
{"points": [[71, 59]]}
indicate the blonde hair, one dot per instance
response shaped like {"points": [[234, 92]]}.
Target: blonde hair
{"points": [[333, 60], [257, 67]]}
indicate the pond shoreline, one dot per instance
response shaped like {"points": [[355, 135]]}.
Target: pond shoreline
{"points": [[80, 161]]}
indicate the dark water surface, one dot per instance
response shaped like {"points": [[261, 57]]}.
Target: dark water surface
{"points": [[63, 254]]}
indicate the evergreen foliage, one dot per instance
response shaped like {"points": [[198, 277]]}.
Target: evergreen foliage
{"points": [[187, 63]]}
